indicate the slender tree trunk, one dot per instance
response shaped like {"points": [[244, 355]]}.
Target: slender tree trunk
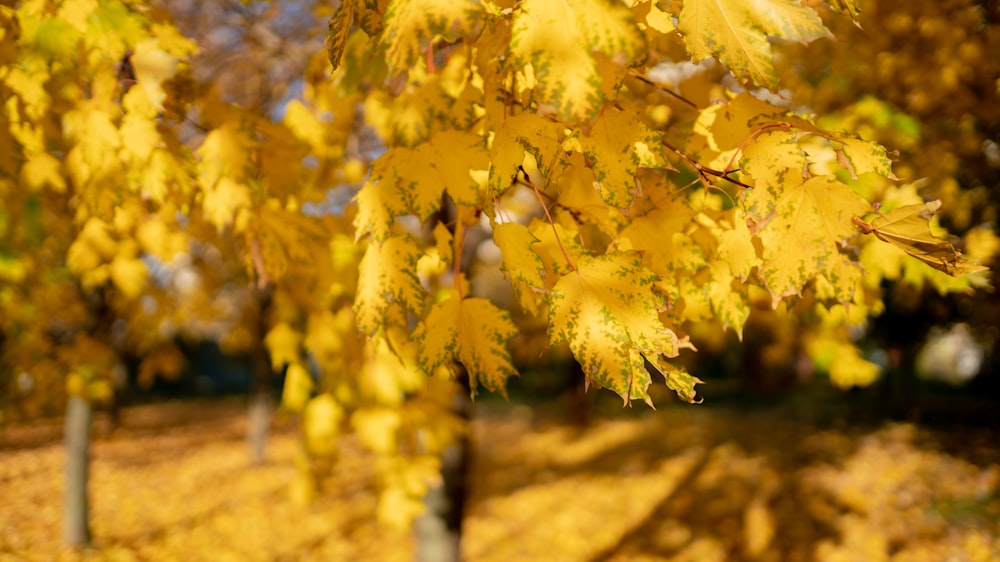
{"points": [[260, 402], [439, 529], [76, 525], [260, 407]]}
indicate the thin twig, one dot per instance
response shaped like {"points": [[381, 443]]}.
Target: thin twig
{"points": [[528, 182], [458, 245], [704, 171], [664, 89]]}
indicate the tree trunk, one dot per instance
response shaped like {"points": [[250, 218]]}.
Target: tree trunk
{"points": [[76, 525], [439, 529], [260, 407], [258, 426]]}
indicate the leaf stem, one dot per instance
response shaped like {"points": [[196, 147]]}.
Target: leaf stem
{"points": [[555, 233], [458, 244]]}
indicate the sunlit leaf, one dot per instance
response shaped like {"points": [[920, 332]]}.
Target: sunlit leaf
{"points": [[410, 26], [283, 344], [321, 421], [152, 66], [522, 265], [606, 310], [557, 38], [520, 134], [473, 332], [908, 228], [803, 231], [737, 33], [387, 279], [618, 144], [297, 389]]}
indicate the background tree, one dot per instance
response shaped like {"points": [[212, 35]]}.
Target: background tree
{"points": [[84, 150]]}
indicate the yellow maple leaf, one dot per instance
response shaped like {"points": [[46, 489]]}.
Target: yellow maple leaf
{"points": [[908, 229], [387, 278], [224, 200], [859, 156], [523, 266], [557, 246], [473, 332], [557, 38], [402, 182], [577, 194], [224, 152], [283, 344], [737, 31], [455, 155], [339, 27], [411, 180], [840, 281], [409, 25], [40, 171], [113, 28], [729, 300], [389, 374], [376, 428], [801, 229], [618, 143], [321, 421], [774, 160], [848, 368], [608, 313], [650, 16], [138, 128], [153, 66], [278, 149], [297, 389], [81, 257], [97, 233], [163, 172], [172, 40], [736, 248], [305, 125], [290, 240], [524, 132], [128, 272], [54, 37], [680, 381], [856, 155], [97, 139], [327, 333], [157, 238]]}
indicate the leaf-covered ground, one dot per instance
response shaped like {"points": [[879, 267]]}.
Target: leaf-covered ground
{"points": [[683, 483]]}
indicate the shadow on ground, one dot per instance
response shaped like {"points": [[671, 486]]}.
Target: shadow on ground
{"points": [[783, 480], [779, 481]]}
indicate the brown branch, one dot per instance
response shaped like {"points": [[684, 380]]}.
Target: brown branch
{"points": [[664, 89], [704, 171]]}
